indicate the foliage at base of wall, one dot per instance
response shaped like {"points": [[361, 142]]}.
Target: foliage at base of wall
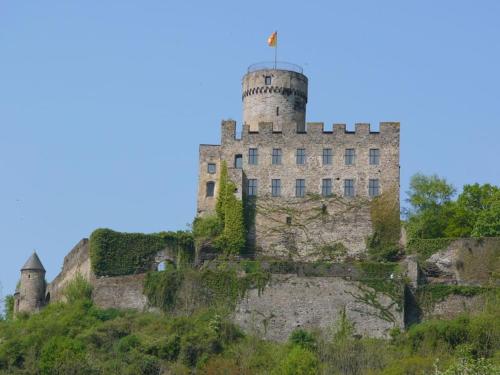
{"points": [[77, 289], [425, 247], [80, 339], [115, 254], [183, 290], [383, 244]]}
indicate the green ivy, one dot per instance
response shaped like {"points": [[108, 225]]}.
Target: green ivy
{"points": [[438, 292], [221, 286], [425, 247], [220, 205], [382, 277], [114, 253]]}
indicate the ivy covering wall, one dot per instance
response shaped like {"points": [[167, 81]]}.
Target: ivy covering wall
{"points": [[115, 253], [186, 289]]}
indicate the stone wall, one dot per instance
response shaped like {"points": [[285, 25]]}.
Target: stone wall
{"points": [[291, 302], [121, 292], [282, 100], [453, 306], [76, 262], [319, 222], [466, 261]]}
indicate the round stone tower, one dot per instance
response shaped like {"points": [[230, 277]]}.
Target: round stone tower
{"points": [[31, 295], [277, 95]]}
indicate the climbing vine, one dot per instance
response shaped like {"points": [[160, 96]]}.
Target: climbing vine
{"points": [[220, 285], [114, 253]]}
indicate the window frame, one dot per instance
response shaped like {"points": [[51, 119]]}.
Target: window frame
{"points": [[214, 168], [373, 187], [252, 187], [327, 156], [350, 156], [349, 191], [238, 161], [253, 156], [209, 190], [268, 80], [276, 156], [300, 188], [300, 156], [325, 186], [375, 158], [276, 187]]}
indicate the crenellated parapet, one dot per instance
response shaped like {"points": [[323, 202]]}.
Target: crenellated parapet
{"points": [[312, 131]]}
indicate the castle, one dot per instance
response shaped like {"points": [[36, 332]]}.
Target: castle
{"points": [[309, 195], [309, 188]]}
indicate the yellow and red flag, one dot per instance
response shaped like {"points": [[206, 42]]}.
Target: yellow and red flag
{"points": [[273, 39]]}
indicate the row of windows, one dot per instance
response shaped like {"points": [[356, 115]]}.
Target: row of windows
{"points": [[300, 156], [300, 187]]}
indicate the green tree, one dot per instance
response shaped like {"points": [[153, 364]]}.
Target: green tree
{"points": [[432, 208], [488, 221], [476, 201]]}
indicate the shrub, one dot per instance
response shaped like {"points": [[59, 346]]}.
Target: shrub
{"points": [[303, 338], [78, 289], [299, 361]]}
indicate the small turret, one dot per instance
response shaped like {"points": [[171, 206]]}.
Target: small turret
{"points": [[30, 296]]}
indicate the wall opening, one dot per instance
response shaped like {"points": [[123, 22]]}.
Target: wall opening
{"points": [[162, 266], [238, 161]]}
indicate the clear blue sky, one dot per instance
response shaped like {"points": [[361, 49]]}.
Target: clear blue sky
{"points": [[103, 103]]}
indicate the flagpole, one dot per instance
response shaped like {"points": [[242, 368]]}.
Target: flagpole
{"points": [[276, 51]]}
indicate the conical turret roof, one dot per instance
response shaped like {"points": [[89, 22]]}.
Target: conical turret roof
{"points": [[33, 263]]}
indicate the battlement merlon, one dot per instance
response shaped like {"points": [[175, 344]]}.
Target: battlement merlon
{"points": [[386, 129]]}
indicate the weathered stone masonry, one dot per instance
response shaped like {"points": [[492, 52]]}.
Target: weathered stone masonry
{"points": [[290, 226]]}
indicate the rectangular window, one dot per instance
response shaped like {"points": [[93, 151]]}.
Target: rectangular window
{"points": [[253, 156], [211, 168], [374, 156], [349, 156], [349, 188], [327, 156], [238, 161], [276, 188], [326, 187], [252, 187], [373, 187], [300, 188], [301, 156], [276, 157], [210, 188], [267, 80]]}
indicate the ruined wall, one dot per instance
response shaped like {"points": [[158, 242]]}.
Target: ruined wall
{"points": [[285, 223], [291, 302], [121, 292], [466, 261], [76, 262]]}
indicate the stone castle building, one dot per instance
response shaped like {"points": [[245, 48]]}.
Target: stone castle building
{"points": [[308, 189], [30, 292]]}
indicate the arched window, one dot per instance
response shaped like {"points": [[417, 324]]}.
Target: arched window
{"points": [[210, 188]]}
